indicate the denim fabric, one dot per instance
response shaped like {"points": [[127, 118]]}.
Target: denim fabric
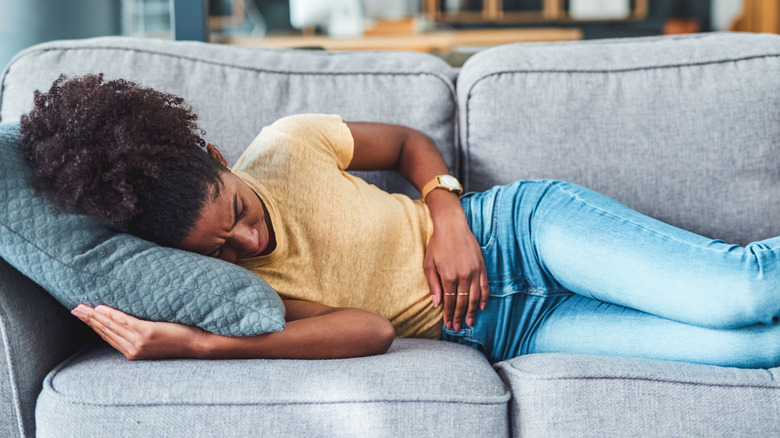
{"points": [[571, 270]]}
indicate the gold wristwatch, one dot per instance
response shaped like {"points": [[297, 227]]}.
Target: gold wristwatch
{"points": [[446, 182]]}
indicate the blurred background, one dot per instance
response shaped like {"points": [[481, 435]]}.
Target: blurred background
{"points": [[452, 29]]}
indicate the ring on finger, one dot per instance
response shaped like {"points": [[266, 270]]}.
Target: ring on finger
{"points": [[449, 294], [463, 294]]}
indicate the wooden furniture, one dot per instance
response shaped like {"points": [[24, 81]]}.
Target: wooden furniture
{"points": [[759, 16], [505, 11], [443, 41]]}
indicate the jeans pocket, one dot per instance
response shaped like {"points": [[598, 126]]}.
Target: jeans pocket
{"points": [[481, 211]]}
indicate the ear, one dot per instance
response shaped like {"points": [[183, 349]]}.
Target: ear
{"points": [[216, 154]]}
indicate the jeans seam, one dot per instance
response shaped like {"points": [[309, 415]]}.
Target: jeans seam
{"points": [[530, 290], [493, 218], [580, 199]]}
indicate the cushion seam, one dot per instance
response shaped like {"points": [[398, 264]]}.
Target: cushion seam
{"points": [[625, 69], [467, 400], [49, 390], [647, 379]]}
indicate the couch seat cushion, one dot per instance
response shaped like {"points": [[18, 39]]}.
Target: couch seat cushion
{"points": [[419, 388], [564, 395]]}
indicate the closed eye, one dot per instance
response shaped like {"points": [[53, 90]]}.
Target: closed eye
{"points": [[241, 214], [237, 215]]}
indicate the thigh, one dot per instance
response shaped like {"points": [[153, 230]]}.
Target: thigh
{"points": [[585, 326], [599, 248]]}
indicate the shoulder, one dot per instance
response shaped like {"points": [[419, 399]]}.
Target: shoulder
{"points": [[307, 128], [326, 133], [306, 122], [295, 137]]}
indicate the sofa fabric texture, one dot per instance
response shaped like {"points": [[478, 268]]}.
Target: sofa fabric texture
{"points": [[37, 334], [581, 395], [236, 91], [373, 397], [682, 129], [662, 124]]}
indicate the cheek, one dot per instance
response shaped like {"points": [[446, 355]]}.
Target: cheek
{"points": [[256, 213], [228, 255]]}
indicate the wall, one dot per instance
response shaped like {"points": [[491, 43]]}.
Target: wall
{"points": [[24, 23]]}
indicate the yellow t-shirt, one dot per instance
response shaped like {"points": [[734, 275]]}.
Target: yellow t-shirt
{"points": [[339, 241]]}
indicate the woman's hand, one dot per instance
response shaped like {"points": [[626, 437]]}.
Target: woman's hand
{"points": [[138, 339], [454, 265]]}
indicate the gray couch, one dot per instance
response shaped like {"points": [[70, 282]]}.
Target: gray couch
{"points": [[686, 129]]}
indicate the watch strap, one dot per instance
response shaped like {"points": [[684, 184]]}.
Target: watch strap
{"points": [[436, 183]]}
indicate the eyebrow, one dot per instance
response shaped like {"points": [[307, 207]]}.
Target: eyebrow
{"points": [[235, 222]]}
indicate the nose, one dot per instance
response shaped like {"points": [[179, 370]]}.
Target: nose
{"points": [[245, 239]]}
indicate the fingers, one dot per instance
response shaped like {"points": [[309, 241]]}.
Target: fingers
{"points": [[484, 288], [434, 283], [473, 302], [450, 301], [461, 304], [456, 294], [111, 324], [469, 294], [139, 339], [478, 294]]}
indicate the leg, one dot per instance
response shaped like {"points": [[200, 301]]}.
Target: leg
{"points": [[583, 325], [598, 248]]}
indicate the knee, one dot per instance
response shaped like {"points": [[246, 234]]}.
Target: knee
{"points": [[754, 300], [753, 347]]}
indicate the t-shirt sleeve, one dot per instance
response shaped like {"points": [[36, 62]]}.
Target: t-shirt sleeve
{"points": [[325, 133]]}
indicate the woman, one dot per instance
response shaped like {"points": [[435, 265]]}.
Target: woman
{"points": [[536, 266]]}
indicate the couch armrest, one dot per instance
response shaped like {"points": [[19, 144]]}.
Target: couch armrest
{"points": [[37, 333]]}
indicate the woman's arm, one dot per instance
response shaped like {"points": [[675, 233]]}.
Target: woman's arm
{"points": [[453, 263], [313, 331]]}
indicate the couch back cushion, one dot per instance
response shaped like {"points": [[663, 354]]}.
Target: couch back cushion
{"points": [[238, 90], [684, 129]]}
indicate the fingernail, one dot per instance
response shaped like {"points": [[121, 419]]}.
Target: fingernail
{"points": [[457, 326], [470, 322], [482, 305], [435, 301], [78, 313]]}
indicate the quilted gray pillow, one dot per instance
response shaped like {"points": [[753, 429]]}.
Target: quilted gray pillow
{"points": [[79, 260]]}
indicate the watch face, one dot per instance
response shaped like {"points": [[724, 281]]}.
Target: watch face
{"points": [[450, 182]]}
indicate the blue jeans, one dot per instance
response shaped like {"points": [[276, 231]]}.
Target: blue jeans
{"points": [[571, 270]]}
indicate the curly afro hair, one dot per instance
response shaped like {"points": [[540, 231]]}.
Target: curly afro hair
{"points": [[125, 154]]}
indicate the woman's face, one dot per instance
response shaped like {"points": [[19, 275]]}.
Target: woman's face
{"points": [[232, 226]]}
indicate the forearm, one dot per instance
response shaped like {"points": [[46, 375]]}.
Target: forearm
{"points": [[419, 159], [314, 331], [419, 162], [413, 154], [340, 333]]}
